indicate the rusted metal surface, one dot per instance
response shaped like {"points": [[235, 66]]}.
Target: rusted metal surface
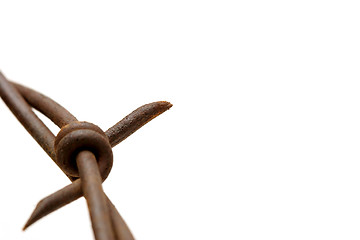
{"points": [[95, 197], [81, 150]]}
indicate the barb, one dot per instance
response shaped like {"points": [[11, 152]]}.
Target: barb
{"points": [[93, 154], [116, 134], [135, 120]]}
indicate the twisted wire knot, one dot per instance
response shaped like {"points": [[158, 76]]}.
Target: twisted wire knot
{"points": [[76, 137], [80, 149]]}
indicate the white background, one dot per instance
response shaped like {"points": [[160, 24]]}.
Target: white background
{"points": [[262, 141]]}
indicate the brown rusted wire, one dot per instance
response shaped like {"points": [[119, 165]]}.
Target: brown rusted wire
{"points": [[81, 150]]}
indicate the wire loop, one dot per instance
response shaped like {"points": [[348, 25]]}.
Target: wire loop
{"points": [[78, 136]]}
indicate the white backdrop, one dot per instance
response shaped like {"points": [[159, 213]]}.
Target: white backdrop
{"points": [[262, 141]]}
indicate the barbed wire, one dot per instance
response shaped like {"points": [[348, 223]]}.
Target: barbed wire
{"points": [[81, 150]]}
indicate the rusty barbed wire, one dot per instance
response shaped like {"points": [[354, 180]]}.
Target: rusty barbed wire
{"points": [[81, 150]]}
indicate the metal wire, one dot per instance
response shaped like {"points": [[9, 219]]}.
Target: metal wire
{"points": [[81, 150]]}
